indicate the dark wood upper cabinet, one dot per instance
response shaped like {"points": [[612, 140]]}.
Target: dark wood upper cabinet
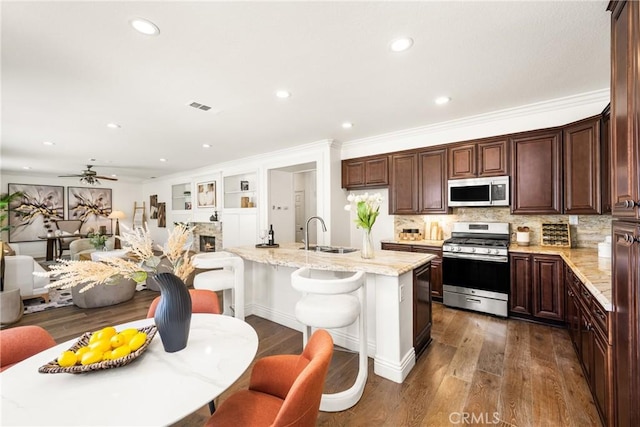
{"points": [[548, 287], [462, 161], [432, 166], [403, 191], [536, 183], [582, 167], [605, 155], [478, 159], [365, 172]]}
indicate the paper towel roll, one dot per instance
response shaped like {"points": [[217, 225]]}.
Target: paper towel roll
{"points": [[604, 250]]}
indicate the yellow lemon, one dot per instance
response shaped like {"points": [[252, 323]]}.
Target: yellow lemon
{"points": [[106, 333], [101, 345], [129, 332], [122, 351], [81, 351], [118, 340], [94, 337], [137, 340], [67, 358], [92, 356], [107, 355]]}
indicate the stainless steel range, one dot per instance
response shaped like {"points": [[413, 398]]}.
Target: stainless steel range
{"points": [[475, 267]]}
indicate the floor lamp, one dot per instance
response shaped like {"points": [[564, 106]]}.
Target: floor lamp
{"points": [[117, 215]]}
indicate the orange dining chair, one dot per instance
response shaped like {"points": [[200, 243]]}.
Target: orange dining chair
{"points": [[284, 390], [202, 301], [22, 342]]}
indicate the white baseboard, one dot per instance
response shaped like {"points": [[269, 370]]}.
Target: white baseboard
{"points": [[393, 371]]}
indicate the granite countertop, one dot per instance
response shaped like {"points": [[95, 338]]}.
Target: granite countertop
{"points": [[386, 263], [434, 243], [592, 270]]}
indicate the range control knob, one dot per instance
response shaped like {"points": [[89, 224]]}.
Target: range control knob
{"points": [[472, 250]]}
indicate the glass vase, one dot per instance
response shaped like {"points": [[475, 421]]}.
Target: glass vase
{"points": [[367, 245]]}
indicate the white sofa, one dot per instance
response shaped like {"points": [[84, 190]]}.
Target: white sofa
{"points": [[84, 246], [18, 274]]}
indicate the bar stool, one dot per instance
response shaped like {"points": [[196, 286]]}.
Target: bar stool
{"points": [[227, 275], [328, 302]]}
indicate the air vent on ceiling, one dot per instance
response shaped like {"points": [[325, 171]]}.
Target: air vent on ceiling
{"points": [[199, 106]]}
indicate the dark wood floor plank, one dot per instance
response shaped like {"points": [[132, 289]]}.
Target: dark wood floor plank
{"points": [[548, 393], [516, 405], [482, 400], [448, 401]]}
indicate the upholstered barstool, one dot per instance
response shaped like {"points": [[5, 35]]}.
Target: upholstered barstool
{"points": [[227, 275], [329, 302]]}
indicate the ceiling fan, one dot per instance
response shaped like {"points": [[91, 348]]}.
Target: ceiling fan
{"points": [[89, 176]]}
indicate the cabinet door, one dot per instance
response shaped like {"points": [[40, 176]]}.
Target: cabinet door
{"points": [[433, 181], [536, 181], [625, 322], [462, 161], [520, 298], [601, 376], [421, 308], [581, 142], [366, 172], [586, 342], [436, 269], [573, 318], [624, 86], [376, 172], [548, 287], [492, 158], [353, 173], [403, 193]]}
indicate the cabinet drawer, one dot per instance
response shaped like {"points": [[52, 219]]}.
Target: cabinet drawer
{"points": [[600, 319], [396, 247]]}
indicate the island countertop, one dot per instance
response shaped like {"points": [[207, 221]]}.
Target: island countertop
{"points": [[386, 263]]}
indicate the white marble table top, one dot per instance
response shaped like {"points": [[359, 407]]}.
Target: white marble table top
{"points": [[386, 263], [158, 388]]}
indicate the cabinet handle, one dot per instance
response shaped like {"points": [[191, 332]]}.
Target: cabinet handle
{"points": [[629, 204], [570, 293], [474, 300], [585, 294], [600, 314], [630, 238]]}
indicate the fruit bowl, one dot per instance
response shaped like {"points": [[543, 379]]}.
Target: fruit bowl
{"points": [[54, 368]]}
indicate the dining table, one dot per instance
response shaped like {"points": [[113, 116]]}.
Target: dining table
{"points": [[157, 388]]}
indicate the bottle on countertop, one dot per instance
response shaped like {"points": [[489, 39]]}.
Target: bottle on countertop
{"points": [[271, 240]]}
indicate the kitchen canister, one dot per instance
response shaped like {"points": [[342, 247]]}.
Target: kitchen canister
{"points": [[604, 248]]}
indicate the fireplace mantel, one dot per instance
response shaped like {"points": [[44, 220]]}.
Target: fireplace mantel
{"points": [[212, 229]]}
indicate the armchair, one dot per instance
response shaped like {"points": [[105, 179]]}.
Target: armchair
{"points": [[18, 274], [284, 390], [84, 246], [67, 228]]}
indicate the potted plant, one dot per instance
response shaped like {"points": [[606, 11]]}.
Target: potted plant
{"points": [[97, 240], [5, 200]]}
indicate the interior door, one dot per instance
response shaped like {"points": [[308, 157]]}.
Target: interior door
{"points": [[299, 206]]}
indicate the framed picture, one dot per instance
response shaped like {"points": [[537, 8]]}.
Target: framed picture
{"points": [[153, 206], [34, 214], [90, 205], [206, 194], [187, 206], [162, 215], [244, 185]]}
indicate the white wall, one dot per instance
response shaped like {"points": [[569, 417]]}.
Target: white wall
{"points": [[123, 195], [281, 206]]}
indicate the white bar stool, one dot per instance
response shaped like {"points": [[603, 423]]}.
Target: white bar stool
{"points": [[328, 302], [228, 277]]}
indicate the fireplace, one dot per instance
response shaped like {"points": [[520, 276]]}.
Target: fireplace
{"points": [[207, 243]]}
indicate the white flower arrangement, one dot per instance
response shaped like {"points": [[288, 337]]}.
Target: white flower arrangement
{"points": [[367, 209], [108, 271]]}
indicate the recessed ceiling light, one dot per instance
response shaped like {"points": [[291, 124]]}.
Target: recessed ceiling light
{"points": [[113, 125], [26, 167], [92, 160], [49, 143], [401, 44], [145, 27], [283, 94], [206, 145], [114, 175], [347, 125], [163, 160], [441, 100]]}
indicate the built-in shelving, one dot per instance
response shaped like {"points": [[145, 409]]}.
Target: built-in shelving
{"points": [[240, 191], [181, 198]]}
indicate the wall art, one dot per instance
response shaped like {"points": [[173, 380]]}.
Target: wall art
{"points": [[90, 205], [153, 206], [206, 194], [34, 214], [162, 215]]}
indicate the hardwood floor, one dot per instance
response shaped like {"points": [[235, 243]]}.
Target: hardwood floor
{"points": [[479, 370]]}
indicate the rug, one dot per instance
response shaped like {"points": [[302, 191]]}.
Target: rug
{"points": [[57, 298]]}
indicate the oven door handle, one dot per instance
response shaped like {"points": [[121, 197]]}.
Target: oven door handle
{"points": [[490, 258]]}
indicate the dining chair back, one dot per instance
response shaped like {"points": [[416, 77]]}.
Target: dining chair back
{"points": [[68, 227], [284, 390], [202, 301], [22, 342]]}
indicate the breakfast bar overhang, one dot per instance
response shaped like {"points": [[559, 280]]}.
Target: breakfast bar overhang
{"points": [[389, 292]]}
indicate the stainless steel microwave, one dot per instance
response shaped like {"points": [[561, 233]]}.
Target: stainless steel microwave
{"points": [[491, 191]]}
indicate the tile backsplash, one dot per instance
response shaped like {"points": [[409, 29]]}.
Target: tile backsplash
{"points": [[590, 230]]}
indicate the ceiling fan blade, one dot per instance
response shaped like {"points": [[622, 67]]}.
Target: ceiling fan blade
{"points": [[69, 176], [106, 177]]}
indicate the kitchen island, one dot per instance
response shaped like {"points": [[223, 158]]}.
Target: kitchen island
{"points": [[389, 289]]}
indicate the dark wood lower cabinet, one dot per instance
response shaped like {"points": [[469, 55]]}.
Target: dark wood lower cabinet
{"points": [[548, 287], [520, 298], [436, 263]]}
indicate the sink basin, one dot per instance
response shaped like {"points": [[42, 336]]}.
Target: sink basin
{"points": [[331, 249]]}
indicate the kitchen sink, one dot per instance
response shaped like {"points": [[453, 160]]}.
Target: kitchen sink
{"points": [[331, 249]]}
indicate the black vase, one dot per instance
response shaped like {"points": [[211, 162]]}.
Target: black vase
{"points": [[173, 313]]}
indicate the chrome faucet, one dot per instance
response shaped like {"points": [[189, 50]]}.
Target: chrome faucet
{"points": [[306, 231]]}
